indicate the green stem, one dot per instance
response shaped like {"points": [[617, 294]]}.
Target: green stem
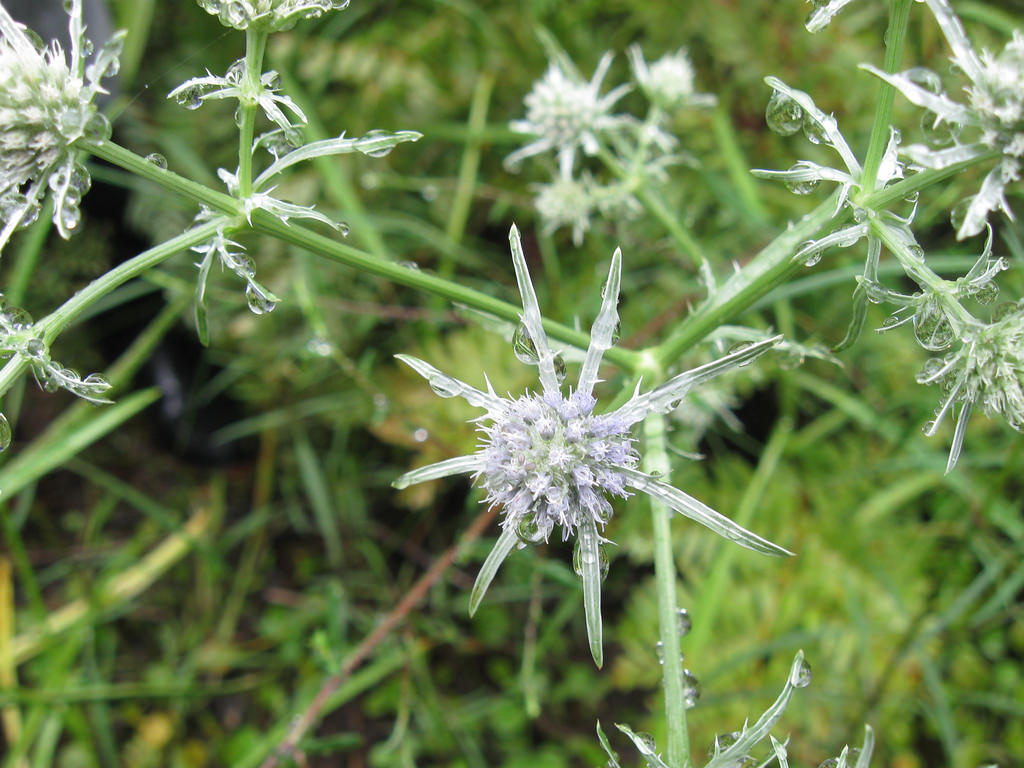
{"points": [[883, 198], [656, 462], [53, 324], [335, 250], [255, 46], [772, 266], [895, 36], [652, 202]]}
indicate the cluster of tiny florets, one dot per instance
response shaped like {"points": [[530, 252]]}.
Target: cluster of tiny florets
{"points": [[669, 81], [549, 460], [276, 15], [988, 370], [40, 113], [999, 94]]}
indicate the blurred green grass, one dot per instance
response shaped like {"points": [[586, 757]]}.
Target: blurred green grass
{"points": [[906, 592]]}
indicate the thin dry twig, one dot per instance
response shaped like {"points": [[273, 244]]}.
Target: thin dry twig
{"points": [[410, 600]]}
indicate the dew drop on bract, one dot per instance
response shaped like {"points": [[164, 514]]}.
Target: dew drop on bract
{"points": [[528, 530], [579, 559], [928, 428], [259, 303], [647, 744], [616, 333], [5, 433], [959, 212], [812, 258], [383, 151], [443, 386], [559, 363], [929, 370], [814, 131], [155, 158], [987, 293], [804, 187], [783, 115], [523, 346], [659, 651], [409, 265], [343, 228], [801, 677]]}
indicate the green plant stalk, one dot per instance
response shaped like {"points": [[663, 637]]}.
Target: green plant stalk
{"points": [[918, 271], [255, 47], [656, 462], [771, 267], [895, 36], [335, 250], [683, 238], [53, 324]]}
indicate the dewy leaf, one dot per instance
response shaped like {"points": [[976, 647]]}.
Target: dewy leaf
{"points": [[603, 332], [590, 565], [502, 548], [613, 758], [448, 386], [664, 398], [989, 198], [737, 752], [644, 745], [823, 14], [373, 146], [531, 315], [860, 314], [938, 103], [460, 465], [699, 512]]}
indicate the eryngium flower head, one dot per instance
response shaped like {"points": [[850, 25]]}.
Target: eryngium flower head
{"points": [[565, 112], [995, 107], [46, 104], [986, 370], [550, 460], [272, 15], [669, 81]]}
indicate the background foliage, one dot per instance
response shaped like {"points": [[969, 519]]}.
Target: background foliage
{"points": [[280, 440]]}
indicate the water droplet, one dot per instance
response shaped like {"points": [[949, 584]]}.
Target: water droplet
{"points": [[929, 370], [343, 228], [319, 346], [832, 762], [928, 428], [239, 117], [18, 318], [814, 131], [443, 386], [190, 98], [959, 212], [722, 742], [578, 560], [236, 71], [783, 115], [890, 322], [912, 197], [683, 622], [916, 251], [691, 689], [802, 187], [646, 743], [801, 676], [1004, 310], [429, 193], [616, 333], [986, 293], [659, 651], [5, 433], [273, 80], [35, 348], [559, 363], [420, 435], [158, 160], [259, 302], [383, 151], [812, 258], [98, 128], [528, 530], [932, 328], [409, 265], [523, 346]]}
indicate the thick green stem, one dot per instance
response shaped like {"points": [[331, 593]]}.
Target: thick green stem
{"points": [[656, 462], [336, 250], [53, 324], [672, 223], [255, 46], [772, 266], [895, 36]]}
